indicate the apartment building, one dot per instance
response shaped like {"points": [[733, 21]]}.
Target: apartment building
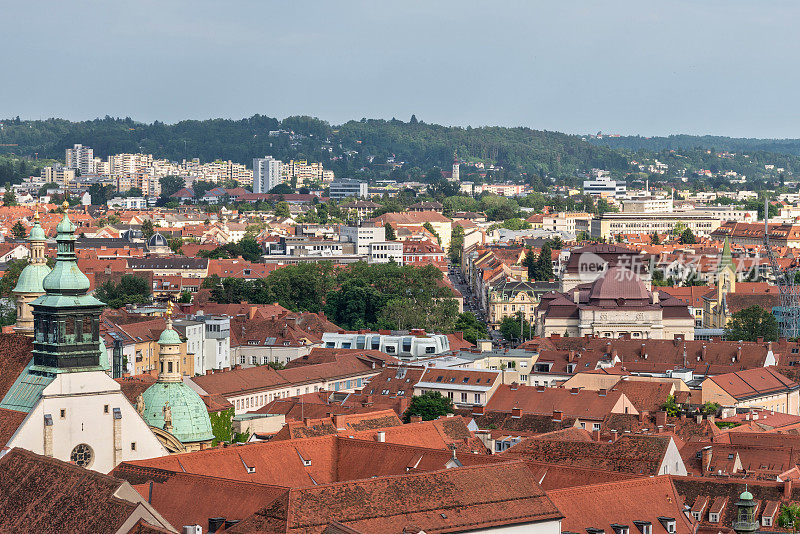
{"points": [[344, 187], [465, 387], [80, 158], [267, 173], [306, 173]]}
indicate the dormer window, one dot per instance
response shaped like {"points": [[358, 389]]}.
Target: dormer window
{"points": [[645, 527], [620, 529], [668, 523]]}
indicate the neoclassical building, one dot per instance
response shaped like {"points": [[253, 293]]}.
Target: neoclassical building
{"points": [[175, 412], [617, 304], [510, 298], [29, 285]]}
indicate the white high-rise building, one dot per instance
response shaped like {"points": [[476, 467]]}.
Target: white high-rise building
{"points": [[267, 173], [81, 158], [456, 173]]}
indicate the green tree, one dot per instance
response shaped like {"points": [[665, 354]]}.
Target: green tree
{"points": [[510, 328], [752, 323], [176, 244], [471, 327], [544, 263], [147, 229], [687, 237], [456, 244], [101, 193], [529, 262], [131, 289], [48, 186], [9, 198], [171, 185], [654, 239], [429, 406], [789, 517], [390, 234], [282, 189], [710, 408], [282, 210], [671, 407], [18, 230], [10, 276], [185, 297]]}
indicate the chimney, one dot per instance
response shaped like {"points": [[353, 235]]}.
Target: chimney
{"points": [[787, 489], [704, 353], [706, 458], [381, 436], [698, 418], [516, 413], [614, 435], [209, 371], [558, 415], [661, 418], [338, 421], [655, 297], [477, 410], [415, 419], [596, 435], [642, 416], [602, 392], [760, 340]]}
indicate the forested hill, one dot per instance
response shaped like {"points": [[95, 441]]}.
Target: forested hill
{"points": [[351, 149], [717, 143]]}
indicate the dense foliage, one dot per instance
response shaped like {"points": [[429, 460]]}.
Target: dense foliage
{"points": [[428, 406], [131, 289], [752, 323], [358, 296], [360, 148]]}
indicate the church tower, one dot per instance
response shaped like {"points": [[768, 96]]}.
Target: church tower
{"points": [[76, 411], [66, 319], [175, 412], [726, 273], [29, 285]]}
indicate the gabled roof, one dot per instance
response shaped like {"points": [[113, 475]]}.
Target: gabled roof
{"points": [[452, 500], [42, 494], [641, 455], [752, 383], [301, 462], [603, 506]]}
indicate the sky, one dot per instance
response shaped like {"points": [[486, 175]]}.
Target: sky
{"points": [[720, 67]]}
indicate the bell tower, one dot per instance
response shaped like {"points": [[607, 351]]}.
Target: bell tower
{"points": [[66, 319], [169, 352], [29, 285]]}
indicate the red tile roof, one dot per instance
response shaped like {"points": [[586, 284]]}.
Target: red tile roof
{"points": [[42, 494], [603, 506], [453, 500], [753, 383]]}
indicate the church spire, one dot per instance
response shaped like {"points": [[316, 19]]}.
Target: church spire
{"points": [[66, 319]]}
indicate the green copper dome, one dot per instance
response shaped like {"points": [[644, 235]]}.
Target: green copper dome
{"points": [[190, 420], [66, 278], [37, 233], [31, 278], [169, 337], [746, 496], [66, 226]]}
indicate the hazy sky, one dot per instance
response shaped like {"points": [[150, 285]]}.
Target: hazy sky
{"points": [[727, 67]]}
